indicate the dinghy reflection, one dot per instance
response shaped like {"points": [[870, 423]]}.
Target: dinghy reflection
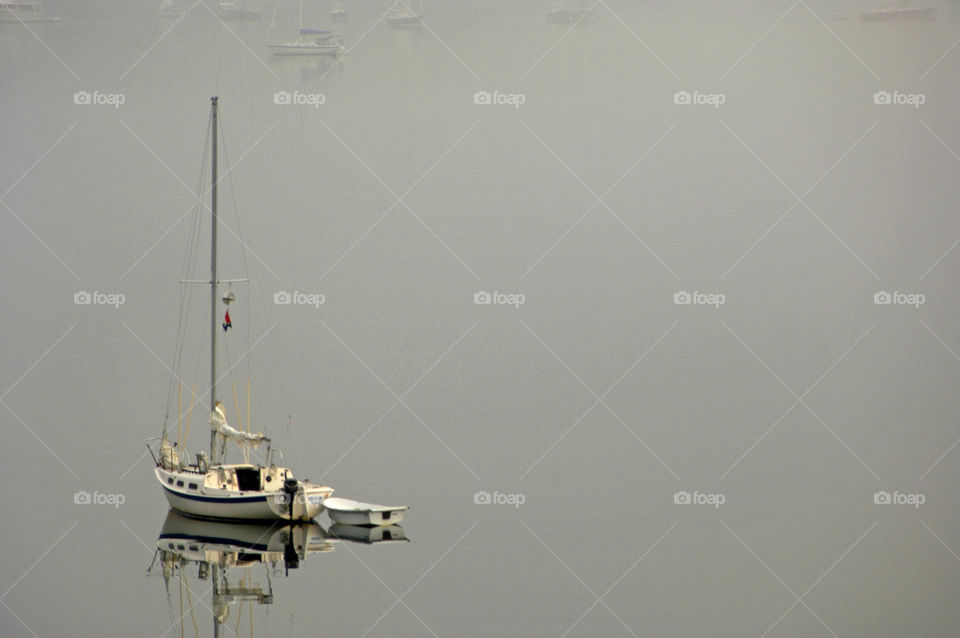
{"points": [[238, 562]]}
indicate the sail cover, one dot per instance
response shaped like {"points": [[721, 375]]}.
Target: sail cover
{"points": [[218, 422]]}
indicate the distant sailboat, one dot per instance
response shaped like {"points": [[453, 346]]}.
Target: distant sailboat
{"points": [[312, 42], [170, 9], [898, 11], [209, 487], [24, 11], [233, 10], [401, 14]]}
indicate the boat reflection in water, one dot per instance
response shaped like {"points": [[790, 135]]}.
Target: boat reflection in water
{"points": [[238, 562]]}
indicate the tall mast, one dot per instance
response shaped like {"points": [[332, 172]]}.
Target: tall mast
{"points": [[213, 275]]}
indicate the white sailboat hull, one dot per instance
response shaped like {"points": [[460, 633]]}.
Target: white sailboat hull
{"points": [[253, 505], [305, 49]]}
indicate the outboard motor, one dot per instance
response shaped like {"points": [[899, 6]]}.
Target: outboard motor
{"points": [[290, 487]]}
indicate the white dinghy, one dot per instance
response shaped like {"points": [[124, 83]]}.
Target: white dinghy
{"points": [[345, 511]]}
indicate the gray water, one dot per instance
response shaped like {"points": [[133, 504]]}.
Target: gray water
{"points": [[589, 406]]}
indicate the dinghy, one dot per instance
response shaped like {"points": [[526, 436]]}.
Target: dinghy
{"points": [[348, 512]]}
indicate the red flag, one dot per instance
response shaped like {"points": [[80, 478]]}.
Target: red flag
{"points": [[227, 324]]}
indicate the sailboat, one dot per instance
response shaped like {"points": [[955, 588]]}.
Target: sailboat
{"points": [[209, 487], [401, 14], [311, 42], [24, 11]]}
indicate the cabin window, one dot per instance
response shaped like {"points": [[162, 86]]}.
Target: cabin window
{"points": [[192, 486], [179, 483], [248, 479], [170, 480], [194, 548]]}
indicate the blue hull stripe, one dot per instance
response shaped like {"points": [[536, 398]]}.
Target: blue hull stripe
{"points": [[213, 499]]}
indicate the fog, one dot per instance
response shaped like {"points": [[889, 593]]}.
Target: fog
{"points": [[646, 309]]}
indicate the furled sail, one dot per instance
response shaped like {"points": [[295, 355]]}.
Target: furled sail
{"points": [[218, 422]]}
